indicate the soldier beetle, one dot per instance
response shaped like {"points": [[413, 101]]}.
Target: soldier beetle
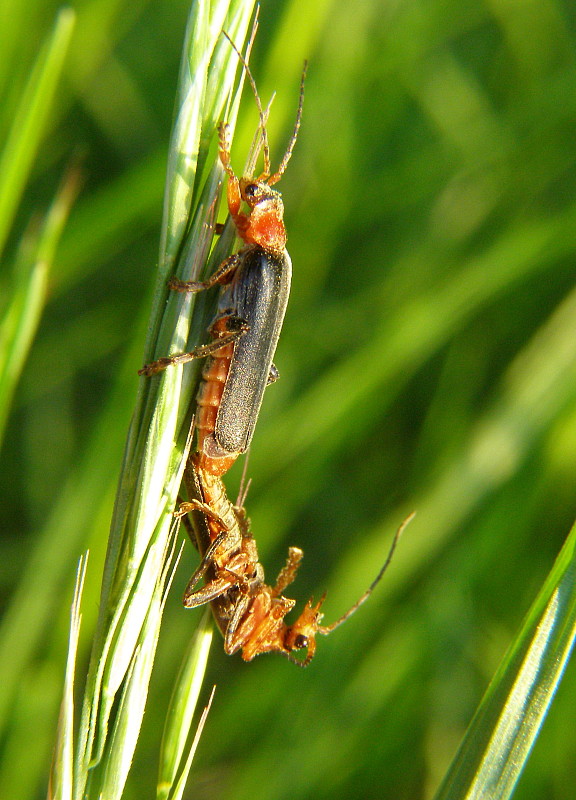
{"points": [[250, 613], [255, 285]]}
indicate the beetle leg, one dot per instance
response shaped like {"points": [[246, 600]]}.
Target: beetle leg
{"points": [[206, 593], [288, 572], [207, 562], [226, 578], [232, 642], [188, 525], [197, 505], [223, 274], [227, 322], [237, 327]]}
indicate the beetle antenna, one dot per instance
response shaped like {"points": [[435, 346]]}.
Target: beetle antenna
{"points": [[329, 628], [265, 144], [257, 142], [287, 155]]}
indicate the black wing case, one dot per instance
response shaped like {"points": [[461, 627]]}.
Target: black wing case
{"points": [[258, 294]]}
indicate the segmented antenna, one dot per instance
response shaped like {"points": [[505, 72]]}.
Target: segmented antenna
{"points": [[287, 155], [329, 628], [266, 176], [258, 103]]}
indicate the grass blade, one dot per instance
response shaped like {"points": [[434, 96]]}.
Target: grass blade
{"points": [[507, 722], [20, 322], [31, 119], [61, 778], [176, 752]]}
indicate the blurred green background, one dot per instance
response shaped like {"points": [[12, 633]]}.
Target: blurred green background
{"points": [[428, 362]]}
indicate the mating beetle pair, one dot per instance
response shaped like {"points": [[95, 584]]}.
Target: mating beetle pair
{"points": [[255, 287]]}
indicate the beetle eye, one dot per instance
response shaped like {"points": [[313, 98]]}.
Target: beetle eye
{"points": [[251, 190], [300, 641]]}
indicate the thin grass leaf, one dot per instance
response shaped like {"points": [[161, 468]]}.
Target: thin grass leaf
{"points": [[172, 774], [62, 535], [207, 76], [125, 661], [22, 316], [30, 120], [179, 786], [128, 721], [62, 773], [501, 735]]}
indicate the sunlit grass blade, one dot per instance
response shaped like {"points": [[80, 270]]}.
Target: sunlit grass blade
{"points": [[177, 791], [62, 773], [158, 441], [124, 665], [502, 733], [30, 120], [22, 315], [177, 752], [124, 736], [77, 510]]}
